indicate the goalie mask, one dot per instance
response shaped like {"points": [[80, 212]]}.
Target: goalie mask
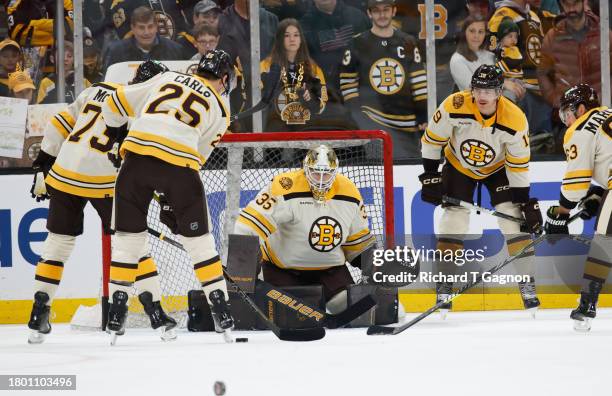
{"points": [[320, 168]]}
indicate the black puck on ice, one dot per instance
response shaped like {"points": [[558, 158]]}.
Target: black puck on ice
{"points": [[242, 339]]}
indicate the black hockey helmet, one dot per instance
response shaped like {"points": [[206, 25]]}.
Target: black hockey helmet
{"points": [[216, 63], [147, 70], [579, 94], [488, 77]]}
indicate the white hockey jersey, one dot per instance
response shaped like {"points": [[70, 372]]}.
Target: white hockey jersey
{"points": [[77, 136], [297, 232], [178, 118], [588, 149], [479, 147]]}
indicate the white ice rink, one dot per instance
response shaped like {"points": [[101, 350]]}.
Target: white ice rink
{"points": [[479, 353]]}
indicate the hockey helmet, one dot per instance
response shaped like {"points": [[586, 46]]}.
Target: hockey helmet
{"points": [[217, 63], [488, 77], [581, 94], [147, 70], [320, 168]]}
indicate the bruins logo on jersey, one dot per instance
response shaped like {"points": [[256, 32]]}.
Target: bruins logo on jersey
{"points": [[534, 48], [387, 76], [477, 153], [325, 234], [286, 183], [458, 101]]}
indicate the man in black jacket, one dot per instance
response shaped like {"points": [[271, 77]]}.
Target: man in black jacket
{"points": [[145, 43]]}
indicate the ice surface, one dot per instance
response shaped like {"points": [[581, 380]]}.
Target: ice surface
{"points": [[470, 353]]}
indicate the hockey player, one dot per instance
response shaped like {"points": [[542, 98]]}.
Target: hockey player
{"points": [[485, 140], [384, 82], [310, 222], [588, 147], [73, 169], [178, 120]]}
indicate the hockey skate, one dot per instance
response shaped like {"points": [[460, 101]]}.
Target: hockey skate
{"points": [[587, 309], [159, 320], [529, 296], [443, 291], [117, 313], [39, 319], [222, 317]]}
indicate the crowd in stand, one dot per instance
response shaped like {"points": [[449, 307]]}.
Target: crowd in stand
{"points": [[543, 47]]}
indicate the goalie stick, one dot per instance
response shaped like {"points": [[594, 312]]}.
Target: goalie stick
{"points": [[267, 95], [469, 205], [388, 330]]}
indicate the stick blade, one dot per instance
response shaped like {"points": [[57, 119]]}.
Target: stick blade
{"points": [[380, 330], [312, 334]]}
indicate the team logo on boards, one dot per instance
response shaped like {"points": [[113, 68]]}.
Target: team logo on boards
{"points": [[325, 234], [387, 76], [477, 153]]}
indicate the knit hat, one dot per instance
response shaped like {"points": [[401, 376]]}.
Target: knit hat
{"points": [[506, 27], [19, 81], [9, 43]]}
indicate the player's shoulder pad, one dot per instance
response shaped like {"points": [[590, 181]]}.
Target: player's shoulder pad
{"points": [[290, 185], [458, 103], [345, 190], [510, 118]]}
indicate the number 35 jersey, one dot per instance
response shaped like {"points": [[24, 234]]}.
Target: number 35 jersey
{"points": [[297, 232], [178, 118], [479, 147], [78, 137]]}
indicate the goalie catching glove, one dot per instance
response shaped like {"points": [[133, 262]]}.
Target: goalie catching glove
{"points": [[41, 166]]}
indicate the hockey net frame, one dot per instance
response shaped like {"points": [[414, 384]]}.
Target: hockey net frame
{"points": [[236, 143]]}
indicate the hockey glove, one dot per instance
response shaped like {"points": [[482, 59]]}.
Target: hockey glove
{"points": [[556, 223], [43, 163], [431, 190], [590, 203], [166, 214], [533, 216], [114, 156], [39, 188]]}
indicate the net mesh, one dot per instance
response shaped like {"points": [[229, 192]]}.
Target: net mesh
{"points": [[233, 175]]}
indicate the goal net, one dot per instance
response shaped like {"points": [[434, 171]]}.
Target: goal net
{"points": [[240, 166]]}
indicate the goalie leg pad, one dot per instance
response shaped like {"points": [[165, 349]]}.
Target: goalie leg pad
{"points": [[285, 311], [206, 263], [49, 270], [385, 311], [243, 260]]}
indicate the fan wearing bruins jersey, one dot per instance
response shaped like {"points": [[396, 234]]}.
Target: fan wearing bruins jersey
{"points": [[74, 159], [588, 147], [485, 140], [30, 22], [178, 120], [383, 81], [310, 222]]}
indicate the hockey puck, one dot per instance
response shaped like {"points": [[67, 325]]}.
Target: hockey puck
{"points": [[242, 339]]}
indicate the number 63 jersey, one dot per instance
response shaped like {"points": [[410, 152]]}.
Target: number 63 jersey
{"points": [[78, 137], [297, 232], [178, 118]]}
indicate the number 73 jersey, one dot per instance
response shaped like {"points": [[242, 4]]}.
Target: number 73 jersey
{"points": [[297, 232], [78, 137]]}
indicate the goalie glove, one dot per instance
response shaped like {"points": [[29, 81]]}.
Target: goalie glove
{"points": [[590, 203], [39, 188], [166, 214]]}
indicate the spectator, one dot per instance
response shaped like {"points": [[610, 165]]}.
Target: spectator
{"points": [[384, 83], [478, 8], [168, 16], [302, 94], [91, 61], [10, 60], [21, 85], [547, 18], [30, 22], [145, 42], [510, 60], [570, 53], [46, 88], [530, 40], [328, 27], [207, 39], [287, 8], [205, 13], [471, 51]]}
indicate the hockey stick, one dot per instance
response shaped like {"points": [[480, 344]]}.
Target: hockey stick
{"points": [[330, 321], [267, 95], [283, 333], [387, 330], [469, 205]]}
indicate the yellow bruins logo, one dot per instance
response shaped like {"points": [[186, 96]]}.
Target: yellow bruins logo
{"points": [[387, 76], [325, 234], [477, 153], [534, 48], [286, 183], [165, 25]]}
